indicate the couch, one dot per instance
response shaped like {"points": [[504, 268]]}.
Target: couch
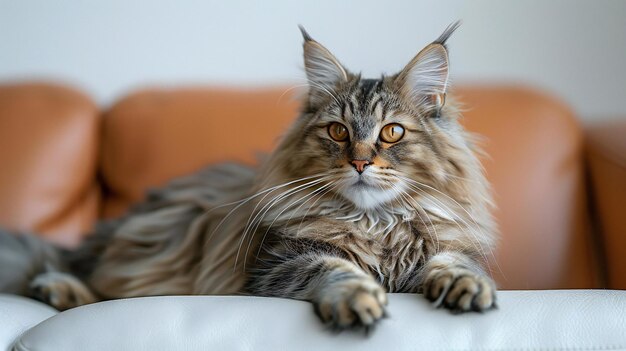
{"points": [[560, 188]]}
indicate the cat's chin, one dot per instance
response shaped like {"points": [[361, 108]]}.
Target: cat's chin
{"points": [[368, 197]]}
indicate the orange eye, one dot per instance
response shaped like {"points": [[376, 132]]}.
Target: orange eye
{"points": [[392, 133], [338, 132]]}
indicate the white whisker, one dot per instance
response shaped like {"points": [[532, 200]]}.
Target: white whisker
{"points": [[246, 200], [253, 223], [309, 196]]}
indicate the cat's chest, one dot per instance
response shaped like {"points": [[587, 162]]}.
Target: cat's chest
{"points": [[393, 256], [386, 244]]}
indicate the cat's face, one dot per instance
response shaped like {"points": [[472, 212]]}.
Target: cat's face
{"points": [[373, 138]]}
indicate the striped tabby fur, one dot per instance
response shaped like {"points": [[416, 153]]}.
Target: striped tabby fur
{"points": [[306, 224]]}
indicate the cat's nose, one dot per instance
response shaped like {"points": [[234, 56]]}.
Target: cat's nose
{"points": [[360, 165]]}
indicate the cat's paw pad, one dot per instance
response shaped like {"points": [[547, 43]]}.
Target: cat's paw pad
{"points": [[350, 304], [460, 290]]}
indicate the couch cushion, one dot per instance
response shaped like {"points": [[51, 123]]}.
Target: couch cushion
{"points": [[49, 142], [533, 140], [525, 320], [17, 315]]}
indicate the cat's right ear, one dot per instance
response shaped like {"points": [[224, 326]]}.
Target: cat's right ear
{"points": [[323, 70], [424, 81]]}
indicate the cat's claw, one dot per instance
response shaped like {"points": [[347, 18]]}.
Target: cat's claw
{"points": [[460, 290]]}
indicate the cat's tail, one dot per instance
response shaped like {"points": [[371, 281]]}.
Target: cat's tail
{"points": [[24, 257]]}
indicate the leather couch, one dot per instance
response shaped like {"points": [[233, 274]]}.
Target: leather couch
{"points": [[560, 189]]}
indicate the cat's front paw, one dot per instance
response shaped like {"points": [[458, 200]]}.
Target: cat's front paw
{"points": [[358, 302], [60, 290], [460, 289]]}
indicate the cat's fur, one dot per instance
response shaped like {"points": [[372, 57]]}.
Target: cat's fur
{"points": [[306, 224]]}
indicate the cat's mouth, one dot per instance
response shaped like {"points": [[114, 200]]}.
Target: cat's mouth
{"points": [[365, 192], [361, 183]]}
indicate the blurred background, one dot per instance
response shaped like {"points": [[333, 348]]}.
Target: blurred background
{"points": [[575, 49]]}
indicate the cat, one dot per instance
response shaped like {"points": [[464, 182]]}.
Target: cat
{"points": [[375, 188]]}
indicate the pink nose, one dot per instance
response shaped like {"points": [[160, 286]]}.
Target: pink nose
{"points": [[360, 165]]}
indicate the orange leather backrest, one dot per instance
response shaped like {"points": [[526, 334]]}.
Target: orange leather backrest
{"points": [[535, 166], [606, 153], [153, 136], [48, 154]]}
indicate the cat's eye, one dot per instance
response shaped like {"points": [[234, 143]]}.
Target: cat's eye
{"points": [[338, 131], [392, 133]]}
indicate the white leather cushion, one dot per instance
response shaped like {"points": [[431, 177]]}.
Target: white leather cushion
{"points": [[525, 320], [18, 314]]}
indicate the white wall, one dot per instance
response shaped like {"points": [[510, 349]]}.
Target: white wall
{"points": [[576, 49]]}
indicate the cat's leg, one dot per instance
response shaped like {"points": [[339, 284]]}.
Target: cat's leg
{"points": [[344, 296], [455, 281], [61, 290]]}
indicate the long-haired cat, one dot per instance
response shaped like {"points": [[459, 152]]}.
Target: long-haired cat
{"points": [[375, 188]]}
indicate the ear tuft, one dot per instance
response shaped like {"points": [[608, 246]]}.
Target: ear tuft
{"points": [[323, 70], [305, 35], [447, 33]]}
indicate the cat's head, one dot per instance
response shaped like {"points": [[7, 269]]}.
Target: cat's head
{"points": [[373, 138]]}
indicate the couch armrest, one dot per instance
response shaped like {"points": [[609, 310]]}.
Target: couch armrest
{"points": [[606, 154], [525, 320]]}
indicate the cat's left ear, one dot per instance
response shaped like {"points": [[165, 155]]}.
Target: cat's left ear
{"points": [[323, 70], [424, 81]]}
